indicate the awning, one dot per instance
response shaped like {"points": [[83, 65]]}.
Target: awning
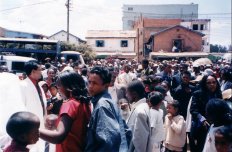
{"points": [[174, 55]]}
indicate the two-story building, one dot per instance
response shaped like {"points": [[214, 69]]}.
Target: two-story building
{"points": [[112, 43]]}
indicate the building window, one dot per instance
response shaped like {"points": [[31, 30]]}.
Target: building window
{"points": [[100, 43], [195, 26], [124, 43], [202, 27], [130, 8]]}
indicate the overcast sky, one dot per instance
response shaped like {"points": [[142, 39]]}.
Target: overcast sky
{"points": [[49, 16]]}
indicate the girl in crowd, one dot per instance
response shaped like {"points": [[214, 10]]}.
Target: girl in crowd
{"points": [[209, 88], [73, 117], [219, 114], [175, 128], [55, 102]]}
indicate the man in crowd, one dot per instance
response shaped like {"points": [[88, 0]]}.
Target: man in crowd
{"points": [[104, 132], [146, 69], [138, 120], [33, 96]]}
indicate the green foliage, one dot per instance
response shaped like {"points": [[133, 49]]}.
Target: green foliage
{"points": [[217, 48], [84, 49]]}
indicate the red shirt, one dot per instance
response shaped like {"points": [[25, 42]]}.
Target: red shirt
{"points": [[80, 114], [15, 147]]}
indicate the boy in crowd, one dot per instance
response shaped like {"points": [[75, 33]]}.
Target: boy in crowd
{"points": [[23, 128]]}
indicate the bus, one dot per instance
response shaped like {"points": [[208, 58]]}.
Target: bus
{"points": [[39, 49], [36, 48]]}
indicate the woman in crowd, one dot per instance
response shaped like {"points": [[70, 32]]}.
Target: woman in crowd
{"points": [[73, 117], [209, 88]]}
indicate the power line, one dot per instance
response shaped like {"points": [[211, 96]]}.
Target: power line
{"points": [[8, 9]]}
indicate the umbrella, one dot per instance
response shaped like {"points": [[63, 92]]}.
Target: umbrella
{"points": [[227, 57], [202, 61]]}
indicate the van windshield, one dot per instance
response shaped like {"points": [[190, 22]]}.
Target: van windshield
{"points": [[18, 66]]}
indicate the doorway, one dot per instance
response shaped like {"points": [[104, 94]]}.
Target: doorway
{"points": [[178, 43]]}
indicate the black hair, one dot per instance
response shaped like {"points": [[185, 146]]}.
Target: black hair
{"points": [[160, 89], [103, 73], [29, 66], [203, 84], [47, 65], [145, 61], [155, 98], [187, 73], [84, 71], [75, 64], [184, 65], [21, 123], [74, 83], [53, 85], [137, 87], [167, 83], [175, 104], [219, 111], [227, 73]]}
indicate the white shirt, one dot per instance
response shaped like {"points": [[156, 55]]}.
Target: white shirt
{"points": [[210, 140], [157, 129]]}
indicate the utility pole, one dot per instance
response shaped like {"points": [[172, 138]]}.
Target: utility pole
{"points": [[68, 9]]}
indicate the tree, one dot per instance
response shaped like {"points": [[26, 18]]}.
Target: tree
{"points": [[217, 48], [85, 49]]}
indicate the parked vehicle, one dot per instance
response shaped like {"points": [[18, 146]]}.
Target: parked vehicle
{"points": [[75, 56], [15, 64]]}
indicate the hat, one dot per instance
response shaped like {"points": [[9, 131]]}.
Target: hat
{"points": [[227, 94], [67, 68], [208, 72], [196, 65]]}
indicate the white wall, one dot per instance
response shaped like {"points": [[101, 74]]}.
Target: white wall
{"points": [[112, 45], [62, 36], [206, 31]]}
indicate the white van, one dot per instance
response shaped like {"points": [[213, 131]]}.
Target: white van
{"points": [[75, 56], [15, 64]]}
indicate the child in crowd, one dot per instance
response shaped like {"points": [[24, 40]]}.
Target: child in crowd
{"points": [[175, 128], [44, 86], [223, 139], [218, 114], [23, 128], [55, 102], [157, 135], [74, 115]]}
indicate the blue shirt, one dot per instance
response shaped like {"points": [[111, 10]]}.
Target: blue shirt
{"points": [[103, 133]]}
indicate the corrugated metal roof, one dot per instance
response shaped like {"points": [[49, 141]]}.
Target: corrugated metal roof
{"points": [[110, 34]]}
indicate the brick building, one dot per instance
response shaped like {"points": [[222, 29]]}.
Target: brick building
{"points": [[186, 40], [155, 35]]}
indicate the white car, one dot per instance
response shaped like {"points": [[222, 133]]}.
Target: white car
{"points": [[15, 64]]}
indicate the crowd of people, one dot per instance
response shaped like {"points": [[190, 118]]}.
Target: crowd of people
{"points": [[122, 105]]}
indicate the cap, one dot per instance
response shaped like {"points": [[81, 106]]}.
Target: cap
{"points": [[227, 94], [196, 65]]}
